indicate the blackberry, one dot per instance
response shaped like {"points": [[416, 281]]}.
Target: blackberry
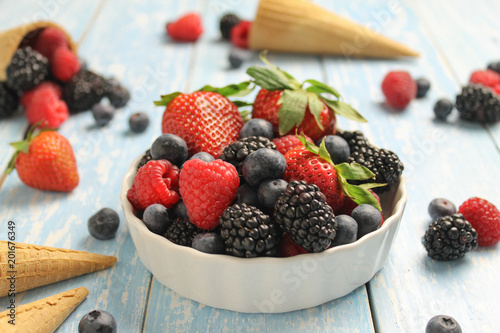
{"points": [[382, 162], [356, 140], [84, 90], [303, 213], [248, 233], [227, 22], [182, 232], [8, 101], [145, 159], [450, 237], [27, 69], [478, 103], [237, 151]]}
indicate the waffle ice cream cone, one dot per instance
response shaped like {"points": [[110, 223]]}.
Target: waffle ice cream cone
{"points": [[37, 265], [45, 315], [10, 40], [299, 26]]}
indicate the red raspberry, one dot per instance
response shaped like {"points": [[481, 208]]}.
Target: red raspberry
{"points": [[487, 78], [65, 64], [239, 34], [155, 183], [207, 189], [187, 29], [399, 89], [49, 40], [44, 104], [288, 142], [484, 217], [288, 248], [497, 90]]}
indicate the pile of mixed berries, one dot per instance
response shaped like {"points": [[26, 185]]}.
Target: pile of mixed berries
{"points": [[48, 79], [280, 184]]}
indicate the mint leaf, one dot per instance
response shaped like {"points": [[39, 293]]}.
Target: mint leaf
{"points": [[359, 195], [315, 107], [292, 110], [166, 99], [344, 110], [320, 88], [354, 171], [236, 90]]}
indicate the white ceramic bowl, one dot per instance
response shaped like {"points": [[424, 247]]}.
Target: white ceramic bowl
{"points": [[265, 285]]}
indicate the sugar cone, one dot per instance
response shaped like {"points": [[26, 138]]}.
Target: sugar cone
{"points": [[10, 40], [37, 266], [45, 315], [300, 26]]}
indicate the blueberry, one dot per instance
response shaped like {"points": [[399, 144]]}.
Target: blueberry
{"points": [[179, 210], [347, 231], [248, 195], [97, 321], [170, 147], [443, 324], [443, 108], [209, 242], [338, 148], [235, 61], [262, 164], [118, 95], [270, 190], [367, 217], [156, 218], [257, 127], [441, 207], [103, 114], [203, 156], [104, 223], [494, 66], [138, 122], [423, 86], [226, 23]]}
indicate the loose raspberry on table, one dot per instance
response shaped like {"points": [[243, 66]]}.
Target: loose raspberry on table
{"points": [[484, 217], [240, 33], [155, 183], [188, 28], [44, 104], [65, 64], [487, 78], [399, 89]]}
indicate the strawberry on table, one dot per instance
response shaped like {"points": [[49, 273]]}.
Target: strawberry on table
{"points": [[291, 107], [205, 119], [45, 161]]}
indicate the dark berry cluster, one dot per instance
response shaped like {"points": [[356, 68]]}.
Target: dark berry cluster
{"points": [[182, 232], [478, 103], [303, 213], [8, 101], [236, 152], [84, 90], [27, 69]]}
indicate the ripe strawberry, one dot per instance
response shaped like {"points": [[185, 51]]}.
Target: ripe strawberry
{"points": [[43, 104], [484, 217], [305, 165], [399, 89], [487, 78], [65, 64], [288, 142], [207, 189], [45, 162], [239, 34], [496, 89], [155, 183], [289, 106], [206, 120], [188, 28], [288, 248], [49, 40]]}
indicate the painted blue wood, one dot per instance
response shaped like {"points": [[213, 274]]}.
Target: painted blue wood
{"points": [[454, 160]]}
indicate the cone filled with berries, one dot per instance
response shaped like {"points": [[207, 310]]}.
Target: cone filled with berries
{"points": [[300, 26], [25, 35]]}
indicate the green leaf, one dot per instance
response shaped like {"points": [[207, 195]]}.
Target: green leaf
{"points": [[315, 107], [242, 103], [166, 99], [21, 146], [320, 88], [324, 154], [344, 110], [291, 80], [359, 195], [292, 110], [268, 78], [235, 90], [368, 186], [354, 171]]}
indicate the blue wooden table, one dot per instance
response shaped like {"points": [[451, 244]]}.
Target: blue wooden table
{"points": [[456, 160]]}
